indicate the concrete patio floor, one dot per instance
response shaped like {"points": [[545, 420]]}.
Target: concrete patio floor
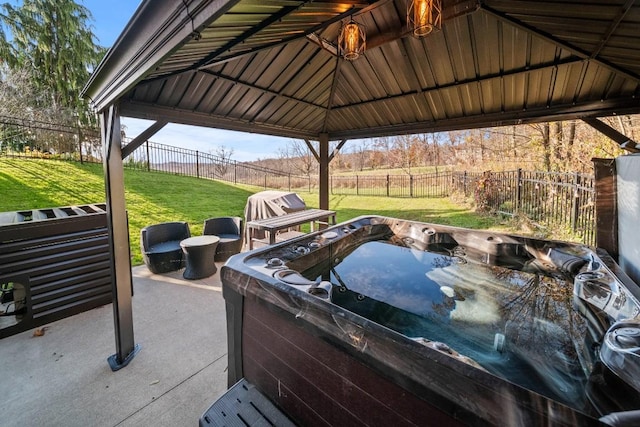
{"points": [[63, 379]]}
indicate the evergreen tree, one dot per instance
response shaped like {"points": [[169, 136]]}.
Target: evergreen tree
{"points": [[53, 41]]}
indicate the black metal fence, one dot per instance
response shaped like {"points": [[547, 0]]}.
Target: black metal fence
{"points": [[21, 138], [156, 157], [564, 201], [424, 185], [559, 200], [36, 139]]}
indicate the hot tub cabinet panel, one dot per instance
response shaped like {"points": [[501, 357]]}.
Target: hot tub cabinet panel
{"points": [[317, 382], [320, 352]]}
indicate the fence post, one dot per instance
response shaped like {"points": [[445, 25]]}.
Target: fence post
{"points": [[80, 143], [235, 172], [357, 186], [148, 158], [437, 186], [518, 191], [265, 180], [574, 203], [464, 184], [387, 185], [410, 185], [197, 164], [289, 178]]}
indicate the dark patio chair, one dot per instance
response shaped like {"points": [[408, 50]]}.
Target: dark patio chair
{"points": [[229, 230], [160, 246]]}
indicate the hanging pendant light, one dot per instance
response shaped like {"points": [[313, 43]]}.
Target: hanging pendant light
{"points": [[424, 16], [352, 41]]}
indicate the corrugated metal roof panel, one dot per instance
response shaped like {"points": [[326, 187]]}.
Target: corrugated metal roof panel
{"points": [[255, 64]]}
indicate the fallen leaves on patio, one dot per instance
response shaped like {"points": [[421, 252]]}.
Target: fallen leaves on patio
{"points": [[40, 331]]}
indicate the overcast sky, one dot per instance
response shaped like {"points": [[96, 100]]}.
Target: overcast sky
{"points": [[110, 18]]}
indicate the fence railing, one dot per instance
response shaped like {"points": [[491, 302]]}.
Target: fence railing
{"points": [[152, 156], [37, 139], [424, 185], [559, 200], [21, 138]]}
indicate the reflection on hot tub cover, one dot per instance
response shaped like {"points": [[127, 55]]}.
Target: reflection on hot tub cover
{"points": [[268, 204]]}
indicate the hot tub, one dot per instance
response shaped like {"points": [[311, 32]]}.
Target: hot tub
{"points": [[380, 321]]}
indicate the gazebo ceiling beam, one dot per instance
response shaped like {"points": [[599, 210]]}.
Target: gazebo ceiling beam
{"points": [[286, 40], [620, 138], [142, 138], [334, 85], [460, 83], [533, 115], [562, 44], [612, 27], [450, 11], [250, 32], [165, 27], [261, 89], [187, 117]]}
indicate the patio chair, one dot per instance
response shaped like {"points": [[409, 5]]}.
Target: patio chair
{"points": [[160, 246], [229, 230]]}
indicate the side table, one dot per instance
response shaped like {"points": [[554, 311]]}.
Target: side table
{"points": [[199, 254]]}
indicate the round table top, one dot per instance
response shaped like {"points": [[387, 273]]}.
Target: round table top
{"points": [[200, 241]]}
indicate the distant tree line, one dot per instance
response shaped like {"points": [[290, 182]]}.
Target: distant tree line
{"points": [[565, 146]]}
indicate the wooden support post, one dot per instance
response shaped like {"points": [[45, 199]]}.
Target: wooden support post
{"points": [[518, 189], [606, 205], [324, 171], [575, 202]]}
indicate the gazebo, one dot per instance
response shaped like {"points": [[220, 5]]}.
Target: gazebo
{"points": [[334, 71]]}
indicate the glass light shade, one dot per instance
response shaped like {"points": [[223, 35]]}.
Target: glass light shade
{"points": [[352, 41], [424, 16]]}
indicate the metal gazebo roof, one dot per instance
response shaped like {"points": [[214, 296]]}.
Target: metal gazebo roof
{"points": [[271, 66]]}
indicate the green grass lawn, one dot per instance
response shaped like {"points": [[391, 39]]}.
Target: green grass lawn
{"points": [[156, 197]]}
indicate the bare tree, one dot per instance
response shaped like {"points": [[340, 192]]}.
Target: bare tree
{"points": [[361, 150], [298, 158], [380, 151], [544, 142], [224, 154], [406, 152]]}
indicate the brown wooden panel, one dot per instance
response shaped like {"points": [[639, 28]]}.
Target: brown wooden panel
{"points": [[293, 375], [329, 373], [606, 206], [331, 382], [283, 396]]}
